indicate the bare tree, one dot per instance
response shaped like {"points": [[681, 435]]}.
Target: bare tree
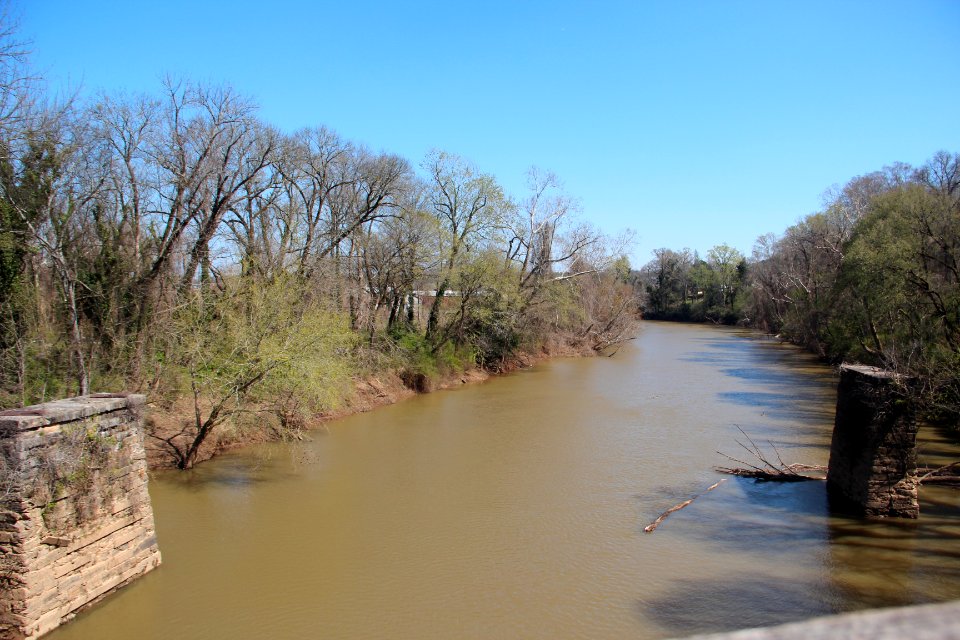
{"points": [[466, 203], [545, 234], [239, 150]]}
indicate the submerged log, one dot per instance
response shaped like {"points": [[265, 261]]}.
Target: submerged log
{"points": [[650, 528]]}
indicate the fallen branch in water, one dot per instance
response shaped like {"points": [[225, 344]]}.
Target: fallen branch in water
{"points": [[940, 475], [769, 471], [789, 473], [952, 480], [650, 528]]}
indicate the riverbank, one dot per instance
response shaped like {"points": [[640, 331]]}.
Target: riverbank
{"points": [[366, 394]]}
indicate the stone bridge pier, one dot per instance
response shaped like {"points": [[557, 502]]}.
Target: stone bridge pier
{"points": [[75, 516], [873, 454]]}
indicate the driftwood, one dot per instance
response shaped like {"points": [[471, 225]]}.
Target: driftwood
{"points": [[779, 471], [650, 528], [767, 471], [946, 474], [951, 480], [789, 473]]}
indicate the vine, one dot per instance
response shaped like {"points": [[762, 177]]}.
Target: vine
{"points": [[67, 475]]}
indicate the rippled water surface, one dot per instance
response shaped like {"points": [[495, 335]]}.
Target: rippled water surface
{"points": [[515, 509]]}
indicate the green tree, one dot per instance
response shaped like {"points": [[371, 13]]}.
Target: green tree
{"points": [[254, 340], [727, 266], [668, 283], [902, 276]]}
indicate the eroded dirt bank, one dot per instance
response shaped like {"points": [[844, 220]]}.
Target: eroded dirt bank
{"points": [[367, 394]]}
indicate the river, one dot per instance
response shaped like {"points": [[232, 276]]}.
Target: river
{"points": [[515, 509]]}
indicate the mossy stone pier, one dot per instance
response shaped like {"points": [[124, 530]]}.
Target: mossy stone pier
{"points": [[75, 516]]}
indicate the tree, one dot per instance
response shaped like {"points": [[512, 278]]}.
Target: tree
{"points": [[903, 275], [20, 198], [70, 177], [544, 233], [874, 277], [610, 306], [141, 233], [18, 86], [249, 342], [393, 258], [467, 204], [728, 266], [668, 283]]}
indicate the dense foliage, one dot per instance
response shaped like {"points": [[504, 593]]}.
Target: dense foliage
{"points": [[177, 244], [873, 278], [679, 285]]}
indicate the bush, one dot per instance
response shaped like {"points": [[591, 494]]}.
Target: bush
{"points": [[251, 344]]}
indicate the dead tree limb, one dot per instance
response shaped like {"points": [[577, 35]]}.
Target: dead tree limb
{"points": [[650, 528], [766, 470], [939, 475], [951, 480]]}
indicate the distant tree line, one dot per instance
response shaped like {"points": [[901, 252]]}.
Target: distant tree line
{"points": [[680, 285], [874, 277], [175, 243]]}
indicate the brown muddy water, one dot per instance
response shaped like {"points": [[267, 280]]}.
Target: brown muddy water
{"points": [[515, 509]]}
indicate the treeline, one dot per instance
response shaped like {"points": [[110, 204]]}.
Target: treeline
{"points": [[682, 286], [178, 245], [872, 278]]}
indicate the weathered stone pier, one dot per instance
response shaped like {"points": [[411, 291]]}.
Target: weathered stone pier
{"points": [[75, 516], [873, 455]]}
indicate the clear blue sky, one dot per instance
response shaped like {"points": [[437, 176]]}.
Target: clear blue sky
{"points": [[692, 123]]}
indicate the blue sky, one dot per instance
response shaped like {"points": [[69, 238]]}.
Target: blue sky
{"points": [[692, 123]]}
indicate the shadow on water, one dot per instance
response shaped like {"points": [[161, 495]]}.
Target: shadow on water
{"points": [[894, 562], [741, 602], [762, 518], [936, 445], [778, 377], [742, 351], [797, 559], [867, 562], [933, 534], [806, 498], [719, 359], [753, 358], [783, 406], [791, 559], [786, 391]]}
